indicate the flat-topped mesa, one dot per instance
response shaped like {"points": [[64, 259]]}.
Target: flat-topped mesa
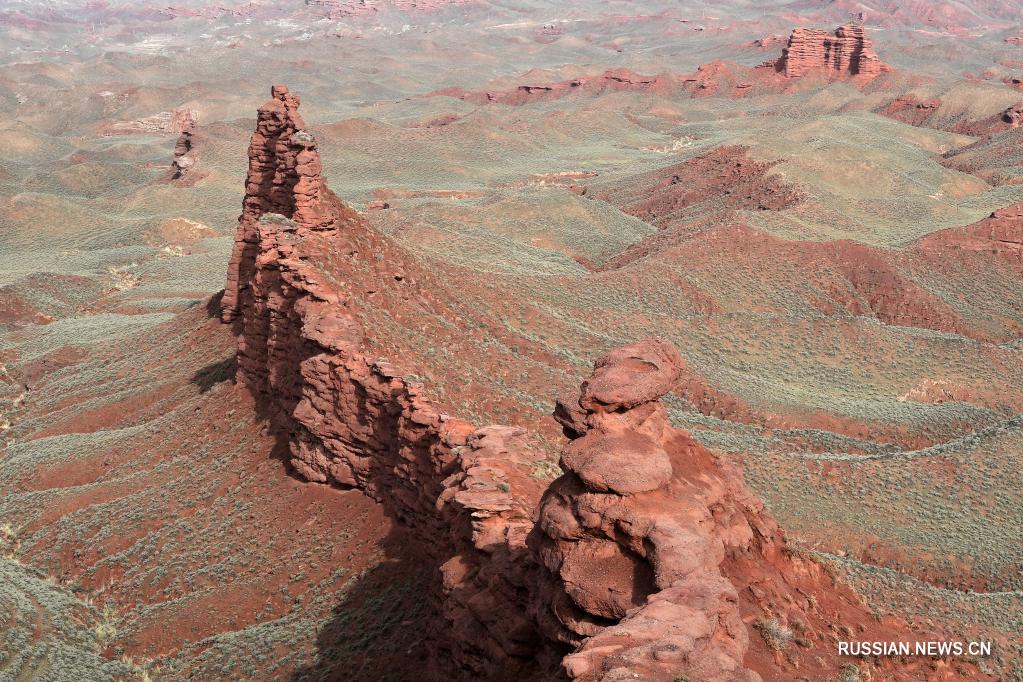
{"points": [[284, 178], [846, 52]]}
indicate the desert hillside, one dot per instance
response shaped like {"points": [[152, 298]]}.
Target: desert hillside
{"points": [[510, 340]]}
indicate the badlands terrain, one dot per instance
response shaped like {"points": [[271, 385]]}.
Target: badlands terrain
{"points": [[603, 340]]}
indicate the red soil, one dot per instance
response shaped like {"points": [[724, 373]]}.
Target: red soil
{"points": [[210, 493], [672, 528]]}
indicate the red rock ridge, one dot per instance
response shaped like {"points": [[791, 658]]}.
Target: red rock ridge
{"points": [[1000, 234], [611, 80], [341, 9], [846, 52], [716, 78], [648, 557], [910, 109], [713, 78], [283, 178], [1007, 119]]}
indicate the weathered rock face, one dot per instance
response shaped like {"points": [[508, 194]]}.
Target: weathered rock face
{"points": [[1000, 234], [353, 420], [623, 533], [183, 119], [1013, 115], [284, 178], [633, 537], [647, 558], [174, 121], [184, 149], [846, 52]]}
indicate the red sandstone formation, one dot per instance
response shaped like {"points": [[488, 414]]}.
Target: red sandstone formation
{"points": [[284, 179], [185, 147], [767, 41], [846, 52], [628, 532], [1007, 119], [353, 420], [648, 558], [725, 177], [717, 77], [712, 185], [720, 78], [183, 119], [993, 158], [914, 111], [1000, 234], [175, 121], [183, 161], [911, 110], [611, 80], [656, 557], [696, 205]]}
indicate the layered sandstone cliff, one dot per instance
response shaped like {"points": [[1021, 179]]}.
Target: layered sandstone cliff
{"points": [[647, 558], [846, 52]]}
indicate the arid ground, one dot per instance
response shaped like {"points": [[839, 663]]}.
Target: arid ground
{"points": [[836, 254]]}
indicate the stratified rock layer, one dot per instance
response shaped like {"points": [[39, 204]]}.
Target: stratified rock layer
{"points": [[647, 558], [846, 52]]}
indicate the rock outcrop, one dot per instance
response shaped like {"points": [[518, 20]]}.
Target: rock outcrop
{"points": [[612, 80], [174, 121], [629, 531], [846, 52], [655, 557], [1013, 116], [1007, 119], [1000, 234], [185, 148], [353, 420], [284, 178], [912, 110], [647, 558]]}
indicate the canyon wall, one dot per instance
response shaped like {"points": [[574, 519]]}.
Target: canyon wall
{"points": [[647, 557], [846, 52]]}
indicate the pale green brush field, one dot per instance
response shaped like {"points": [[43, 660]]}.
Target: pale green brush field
{"points": [[917, 503]]}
